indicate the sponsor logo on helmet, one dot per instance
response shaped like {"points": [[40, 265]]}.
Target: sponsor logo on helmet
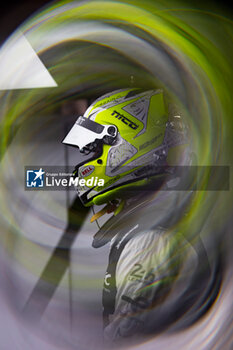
{"points": [[87, 170], [125, 120]]}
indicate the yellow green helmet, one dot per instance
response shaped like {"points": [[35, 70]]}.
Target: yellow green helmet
{"points": [[128, 136]]}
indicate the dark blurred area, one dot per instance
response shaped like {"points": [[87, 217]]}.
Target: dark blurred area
{"points": [[14, 13]]}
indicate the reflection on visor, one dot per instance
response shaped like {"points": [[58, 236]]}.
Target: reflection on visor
{"points": [[90, 125], [86, 131]]}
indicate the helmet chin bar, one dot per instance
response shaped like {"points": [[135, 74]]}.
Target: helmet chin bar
{"points": [[96, 154]]}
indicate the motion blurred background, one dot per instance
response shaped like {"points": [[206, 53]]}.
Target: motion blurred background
{"points": [[89, 48]]}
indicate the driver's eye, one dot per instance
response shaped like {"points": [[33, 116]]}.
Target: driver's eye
{"points": [[109, 140], [84, 150]]}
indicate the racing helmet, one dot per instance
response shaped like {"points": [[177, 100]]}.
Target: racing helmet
{"points": [[128, 136]]}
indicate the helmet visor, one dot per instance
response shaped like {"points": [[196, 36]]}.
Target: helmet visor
{"points": [[86, 131]]}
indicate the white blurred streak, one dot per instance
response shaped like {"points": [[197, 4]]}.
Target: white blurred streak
{"points": [[21, 68]]}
